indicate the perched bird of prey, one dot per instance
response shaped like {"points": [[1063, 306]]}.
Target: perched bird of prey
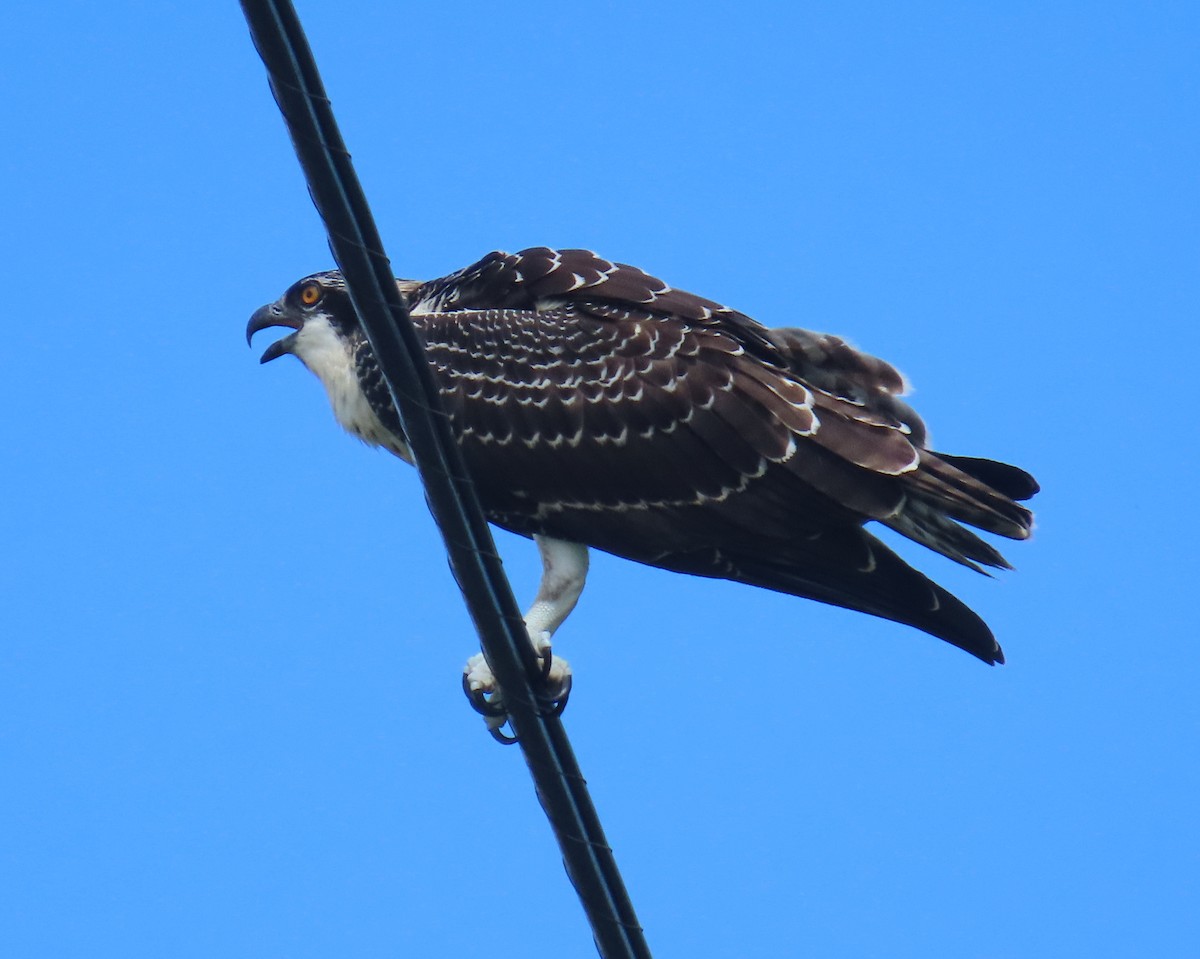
{"points": [[597, 406]]}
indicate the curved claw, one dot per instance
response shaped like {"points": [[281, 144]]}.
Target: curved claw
{"points": [[544, 652], [492, 711], [561, 702], [480, 703], [487, 699]]}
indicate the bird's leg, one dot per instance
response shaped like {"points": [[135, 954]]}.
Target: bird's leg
{"points": [[564, 570]]}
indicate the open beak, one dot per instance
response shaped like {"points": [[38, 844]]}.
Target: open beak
{"points": [[273, 314]]}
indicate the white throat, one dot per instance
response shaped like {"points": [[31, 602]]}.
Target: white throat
{"points": [[328, 356]]}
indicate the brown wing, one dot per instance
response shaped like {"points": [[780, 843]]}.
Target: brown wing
{"points": [[596, 404]]}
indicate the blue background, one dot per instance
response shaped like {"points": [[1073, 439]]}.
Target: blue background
{"points": [[230, 720]]}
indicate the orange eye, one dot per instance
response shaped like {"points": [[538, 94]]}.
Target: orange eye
{"points": [[310, 294]]}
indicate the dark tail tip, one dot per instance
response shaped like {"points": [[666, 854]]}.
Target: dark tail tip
{"points": [[1011, 481]]}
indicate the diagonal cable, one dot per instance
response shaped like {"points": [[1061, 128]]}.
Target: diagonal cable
{"points": [[358, 250]]}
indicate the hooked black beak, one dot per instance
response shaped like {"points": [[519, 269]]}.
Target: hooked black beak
{"points": [[265, 317]]}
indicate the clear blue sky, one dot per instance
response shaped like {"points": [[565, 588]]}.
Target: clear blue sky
{"points": [[230, 721]]}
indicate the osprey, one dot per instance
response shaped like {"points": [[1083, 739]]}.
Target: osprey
{"points": [[597, 406]]}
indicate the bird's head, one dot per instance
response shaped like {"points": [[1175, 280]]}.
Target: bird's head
{"points": [[329, 340], [318, 308]]}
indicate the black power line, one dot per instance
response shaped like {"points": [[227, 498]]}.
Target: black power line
{"points": [[358, 250]]}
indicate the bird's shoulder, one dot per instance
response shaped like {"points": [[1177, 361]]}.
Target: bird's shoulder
{"points": [[530, 278]]}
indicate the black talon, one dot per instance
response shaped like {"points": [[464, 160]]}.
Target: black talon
{"points": [[561, 703], [480, 703], [494, 708]]}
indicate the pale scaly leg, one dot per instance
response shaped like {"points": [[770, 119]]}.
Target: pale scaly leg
{"points": [[564, 570]]}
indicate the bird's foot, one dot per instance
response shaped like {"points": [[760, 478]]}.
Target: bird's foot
{"points": [[487, 699], [556, 671], [483, 692]]}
